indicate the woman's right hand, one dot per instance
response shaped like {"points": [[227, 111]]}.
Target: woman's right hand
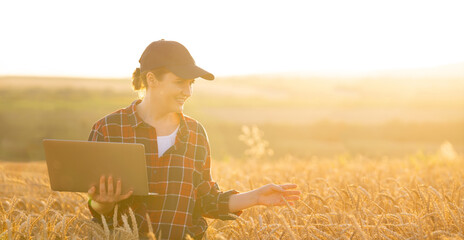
{"points": [[107, 198]]}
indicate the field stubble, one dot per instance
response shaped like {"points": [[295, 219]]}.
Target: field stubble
{"points": [[344, 197]]}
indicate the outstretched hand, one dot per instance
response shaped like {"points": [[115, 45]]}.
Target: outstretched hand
{"points": [[274, 195]]}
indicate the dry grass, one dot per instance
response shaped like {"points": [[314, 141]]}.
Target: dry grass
{"points": [[419, 197]]}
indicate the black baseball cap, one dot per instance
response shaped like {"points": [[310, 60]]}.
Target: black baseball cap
{"points": [[174, 57]]}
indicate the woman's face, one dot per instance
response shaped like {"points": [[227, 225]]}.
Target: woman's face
{"points": [[171, 92]]}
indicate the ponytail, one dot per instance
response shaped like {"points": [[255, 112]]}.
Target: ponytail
{"points": [[139, 79], [137, 82]]}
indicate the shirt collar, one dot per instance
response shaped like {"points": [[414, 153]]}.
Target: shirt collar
{"points": [[134, 119], [183, 128]]}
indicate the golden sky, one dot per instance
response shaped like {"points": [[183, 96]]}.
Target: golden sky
{"points": [[106, 38]]}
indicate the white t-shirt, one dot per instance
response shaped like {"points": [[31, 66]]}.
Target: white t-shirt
{"points": [[165, 142]]}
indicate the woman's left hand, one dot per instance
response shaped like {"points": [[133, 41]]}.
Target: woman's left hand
{"points": [[274, 195]]}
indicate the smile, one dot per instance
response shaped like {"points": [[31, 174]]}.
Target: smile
{"points": [[181, 100]]}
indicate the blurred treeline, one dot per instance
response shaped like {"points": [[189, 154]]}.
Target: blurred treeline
{"points": [[374, 115]]}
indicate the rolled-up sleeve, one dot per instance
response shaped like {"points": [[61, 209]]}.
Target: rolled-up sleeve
{"points": [[213, 202]]}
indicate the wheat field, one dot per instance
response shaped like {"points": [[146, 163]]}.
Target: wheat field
{"points": [[344, 197]]}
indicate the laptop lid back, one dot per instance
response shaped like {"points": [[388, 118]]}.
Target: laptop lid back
{"points": [[75, 166]]}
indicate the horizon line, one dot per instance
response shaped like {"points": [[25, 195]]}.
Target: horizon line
{"points": [[325, 73]]}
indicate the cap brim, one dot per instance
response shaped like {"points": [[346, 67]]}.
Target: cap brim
{"points": [[190, 72]]}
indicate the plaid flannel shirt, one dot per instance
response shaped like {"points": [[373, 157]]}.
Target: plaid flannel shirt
{"points": [[181, 177]]}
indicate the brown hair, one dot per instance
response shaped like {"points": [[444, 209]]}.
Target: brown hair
{"points": [[139, 80]]}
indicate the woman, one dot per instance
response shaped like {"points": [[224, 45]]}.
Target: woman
{"points": [[177, 154]]}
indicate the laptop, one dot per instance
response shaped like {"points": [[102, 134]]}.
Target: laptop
{"points": [[76, 166]]}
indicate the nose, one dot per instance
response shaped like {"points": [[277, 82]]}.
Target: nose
{"points": [[187, 90]]}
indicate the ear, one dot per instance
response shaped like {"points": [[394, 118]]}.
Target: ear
{"points": [[151, 80]]}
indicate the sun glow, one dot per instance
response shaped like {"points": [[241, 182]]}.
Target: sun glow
{"points": [[106, 38]]}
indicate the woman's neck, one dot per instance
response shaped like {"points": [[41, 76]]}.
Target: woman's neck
{"points": [[164, 122]]}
